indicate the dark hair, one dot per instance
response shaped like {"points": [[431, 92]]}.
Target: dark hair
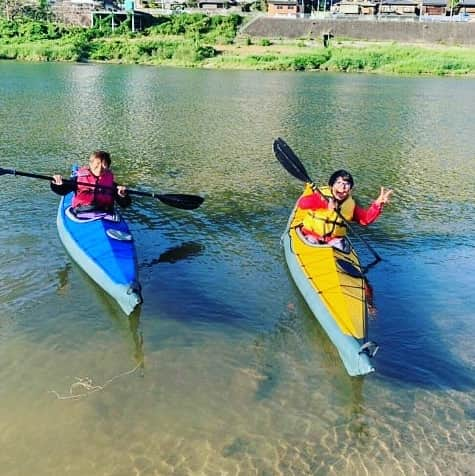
{"points": [[103, 156], [346, 176]]}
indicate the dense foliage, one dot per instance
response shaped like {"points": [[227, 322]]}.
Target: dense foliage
{"points": [[211, 29], [180, 39]]}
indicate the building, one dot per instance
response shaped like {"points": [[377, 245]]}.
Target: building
{"points": [[400, 8], [215, 4], [354, 7], [434, 7], [282, 7], [466, 6]]}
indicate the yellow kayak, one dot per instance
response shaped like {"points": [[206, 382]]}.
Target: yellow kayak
{"points": [[333, 285]]}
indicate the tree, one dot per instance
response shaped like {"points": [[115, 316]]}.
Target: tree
{"points": [[453, 5], [37, 10]]}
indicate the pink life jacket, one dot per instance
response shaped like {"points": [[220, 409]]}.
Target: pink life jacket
{"points": [[92, 195]]}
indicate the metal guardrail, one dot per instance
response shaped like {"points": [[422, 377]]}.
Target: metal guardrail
{"points": [[439, 18], [386, 17]]}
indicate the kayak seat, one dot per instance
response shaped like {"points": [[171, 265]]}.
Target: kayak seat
{"points": [[87, 214], [340, 244], [309, 239]]}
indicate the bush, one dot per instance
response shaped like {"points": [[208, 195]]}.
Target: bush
{"points": [[306, 62], [212, 29], [8, 29], [40, 51], [189, 54]]}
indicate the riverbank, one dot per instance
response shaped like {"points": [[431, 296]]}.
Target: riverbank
{"points": [[198, 42], [349, 56], [341, 57]]}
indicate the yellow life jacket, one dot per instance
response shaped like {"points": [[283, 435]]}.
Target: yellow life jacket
{"points": [[328, 223]]}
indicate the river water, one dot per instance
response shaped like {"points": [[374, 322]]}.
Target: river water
{"points": [[224, 370]]}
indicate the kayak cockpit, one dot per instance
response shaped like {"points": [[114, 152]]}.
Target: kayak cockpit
{"points": [[85, 216], [342, 245]]}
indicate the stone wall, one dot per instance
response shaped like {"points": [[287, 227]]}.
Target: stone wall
{"points": [[449, 33]]}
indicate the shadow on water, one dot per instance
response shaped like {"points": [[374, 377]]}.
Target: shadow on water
{"points": [[414, 349], [181, 252], [413, 352], [205, 303], [414, 360], [198, 308]]}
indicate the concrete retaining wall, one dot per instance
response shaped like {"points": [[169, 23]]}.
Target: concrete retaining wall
{"points": [[449, 33]]}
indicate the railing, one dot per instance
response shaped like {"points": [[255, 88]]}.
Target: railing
{"points": [[443, 18], [384, 17]]}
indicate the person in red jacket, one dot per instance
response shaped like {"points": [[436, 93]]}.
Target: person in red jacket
{"points": [[332, 206], [93, 197]]}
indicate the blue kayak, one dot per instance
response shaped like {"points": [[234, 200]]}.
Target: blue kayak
{"points": [[102, 245]]}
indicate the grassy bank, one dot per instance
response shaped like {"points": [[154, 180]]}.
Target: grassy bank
{"points": [[346, 56], [213, 42]]}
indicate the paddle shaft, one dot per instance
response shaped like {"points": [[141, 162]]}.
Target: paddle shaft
{"points": [[47, 177], [187, 202], [289, 160]]}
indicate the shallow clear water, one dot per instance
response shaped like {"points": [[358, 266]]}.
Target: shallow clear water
{"points": [[224, 370]]}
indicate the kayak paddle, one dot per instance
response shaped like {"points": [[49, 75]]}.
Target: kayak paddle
{"points": [[177, 200], [286, 156]]}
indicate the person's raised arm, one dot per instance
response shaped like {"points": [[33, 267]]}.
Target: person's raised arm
{"points": [[384, 196], [367, 216]]}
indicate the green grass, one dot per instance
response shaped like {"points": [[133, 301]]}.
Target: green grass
{"points": [[396, 59]]}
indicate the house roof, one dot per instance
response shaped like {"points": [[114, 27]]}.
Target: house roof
{"points": [[214, 2], [466, 3], [283, 2], [361, 3], [435, 3], [400, 2]]}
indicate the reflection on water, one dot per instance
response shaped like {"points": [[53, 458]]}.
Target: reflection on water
{"points": [[137, 336], [223, 369]]}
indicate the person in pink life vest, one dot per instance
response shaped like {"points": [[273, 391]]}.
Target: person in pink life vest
{"points": [[97, 174]]}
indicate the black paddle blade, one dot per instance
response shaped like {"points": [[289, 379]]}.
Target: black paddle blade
{"points": [[286, 156], [6, 171], [349, 268], [177, 200]]}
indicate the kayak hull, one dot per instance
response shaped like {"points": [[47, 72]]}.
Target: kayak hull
{"points": [[104, 248], [333, 285]]}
